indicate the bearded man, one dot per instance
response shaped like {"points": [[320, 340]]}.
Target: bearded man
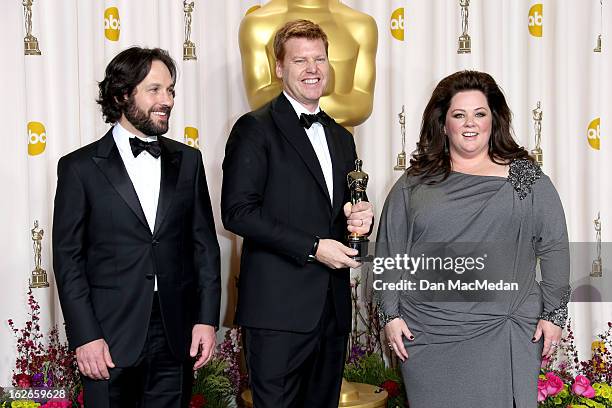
{"points": [[136, 257]]}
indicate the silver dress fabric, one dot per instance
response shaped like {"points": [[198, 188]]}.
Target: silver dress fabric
{"points": [[475, 349]]}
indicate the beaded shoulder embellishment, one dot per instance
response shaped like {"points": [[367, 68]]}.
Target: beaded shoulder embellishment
{"points": [[523, 173]]}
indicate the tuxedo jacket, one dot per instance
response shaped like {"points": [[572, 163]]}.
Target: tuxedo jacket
{"points": [[274, 195], [105, 256]]}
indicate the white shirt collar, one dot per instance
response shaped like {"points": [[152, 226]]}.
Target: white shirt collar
{"points": [[122, 137], [298, 107]]}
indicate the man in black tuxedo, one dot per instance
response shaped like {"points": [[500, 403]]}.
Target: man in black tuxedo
{"points": [[135, 252], [284, 186]]}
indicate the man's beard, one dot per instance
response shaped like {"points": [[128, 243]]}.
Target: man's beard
{"points": [[143, 121]]}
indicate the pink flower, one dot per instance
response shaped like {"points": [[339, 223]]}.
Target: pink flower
{"points": [[582, 387], [542, 392], [554, 384], [57, 404], [23, 380]]}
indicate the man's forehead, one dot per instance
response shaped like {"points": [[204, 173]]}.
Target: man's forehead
{"points": [[299, 45], [158, 75]]}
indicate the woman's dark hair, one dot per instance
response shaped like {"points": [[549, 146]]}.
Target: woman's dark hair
{"points": [[431, 158], [123, 73]]}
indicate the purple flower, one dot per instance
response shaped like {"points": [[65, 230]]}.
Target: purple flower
{"points": [[49, 382], [356, 353], [37, 380]]}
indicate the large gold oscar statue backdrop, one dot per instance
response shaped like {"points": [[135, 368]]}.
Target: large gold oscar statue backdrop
{"points": [[353, 39]]}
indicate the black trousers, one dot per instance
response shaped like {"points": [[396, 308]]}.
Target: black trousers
{"points": [[297, 370], [156, 380]]}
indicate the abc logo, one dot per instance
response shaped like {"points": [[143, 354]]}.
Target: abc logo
{"points": [[397, 24], [191, 137], [593, 134], [112, 23], [252, 9], [535, 20], [37, 138]]}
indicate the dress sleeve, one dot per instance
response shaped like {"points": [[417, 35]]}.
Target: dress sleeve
{"points": [[392, 239], [551, 246]]}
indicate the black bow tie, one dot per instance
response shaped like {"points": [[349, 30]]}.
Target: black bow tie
{"points": [[307, 120], [139, 145]]}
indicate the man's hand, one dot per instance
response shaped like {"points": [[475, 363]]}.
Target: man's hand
{"points": [[203, 340], [552, 336], [94, 359], [335, 255], [359, 217]]}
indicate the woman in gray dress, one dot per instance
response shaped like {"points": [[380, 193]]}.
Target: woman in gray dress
{"points": [[474, 333]]}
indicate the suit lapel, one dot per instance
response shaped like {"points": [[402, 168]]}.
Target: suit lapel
{"points": [[287, 121], [337, 158], [109, 162], [170, 166]]}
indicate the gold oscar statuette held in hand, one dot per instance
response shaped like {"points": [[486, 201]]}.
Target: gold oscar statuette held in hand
{"points": [[189, 48], [597, 268], [465, 42], [537, 123], [39, 275], [30, 43], [357, 183], [401, 157]]}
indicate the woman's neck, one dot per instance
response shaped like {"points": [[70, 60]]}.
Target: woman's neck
{"points": [[481, 165]]}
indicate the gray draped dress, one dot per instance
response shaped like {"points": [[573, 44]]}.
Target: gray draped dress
{"points": [[473, 348]]}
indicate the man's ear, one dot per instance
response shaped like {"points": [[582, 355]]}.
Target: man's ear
{"points": [[279, 70]]}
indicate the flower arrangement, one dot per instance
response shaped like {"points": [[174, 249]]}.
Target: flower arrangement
{"points": [[42, 362], [565, 381], [365, 362], [218, 383], [46, 362]]}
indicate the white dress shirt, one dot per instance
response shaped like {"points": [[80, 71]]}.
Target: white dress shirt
{"points": [[144, 172], [316, 135]]}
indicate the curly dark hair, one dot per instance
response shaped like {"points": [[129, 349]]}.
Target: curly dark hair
{"points": [[431, 159], [123, 73]]}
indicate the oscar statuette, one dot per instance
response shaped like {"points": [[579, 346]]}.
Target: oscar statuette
{"points": [[39, 275], [537, 123], [357, 183], [465, 42], [597, 268], [30, 43], [401, 157], [189, 48]]}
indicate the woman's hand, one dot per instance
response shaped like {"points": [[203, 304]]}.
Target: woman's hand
{"points": [[394, 330], [552, 336]]}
